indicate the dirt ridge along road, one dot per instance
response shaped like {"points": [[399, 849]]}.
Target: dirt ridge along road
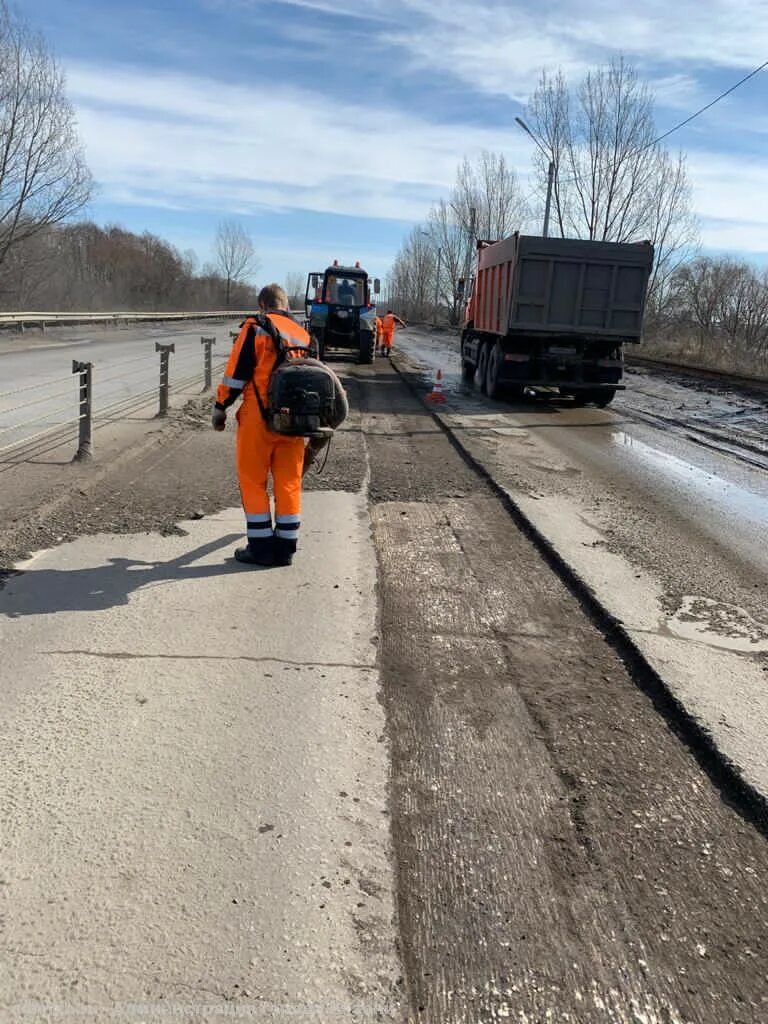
{"points": [[561, 855]]}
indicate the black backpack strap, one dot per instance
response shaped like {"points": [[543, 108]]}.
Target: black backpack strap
{"points": [[281, 349]]}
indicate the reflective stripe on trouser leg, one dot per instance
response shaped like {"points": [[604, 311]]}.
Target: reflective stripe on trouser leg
{"points": [[254, 454], [287, 527], [287, 467], [258, 527]]}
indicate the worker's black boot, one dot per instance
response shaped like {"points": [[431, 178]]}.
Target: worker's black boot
{"points": [[258, 551], [284, 551]]}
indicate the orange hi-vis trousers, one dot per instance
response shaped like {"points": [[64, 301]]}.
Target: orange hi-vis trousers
{"points": [[259, 453], [386, 340]]}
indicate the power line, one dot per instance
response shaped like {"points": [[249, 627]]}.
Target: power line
{"points": [[717, 99]]}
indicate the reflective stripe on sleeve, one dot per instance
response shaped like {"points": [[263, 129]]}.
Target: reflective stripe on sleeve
{"points": [[233, 382]]}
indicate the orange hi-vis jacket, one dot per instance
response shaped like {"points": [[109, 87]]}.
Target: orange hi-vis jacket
{"points": [[389, 322], [260, 452], [253, 358], [379, 327]]}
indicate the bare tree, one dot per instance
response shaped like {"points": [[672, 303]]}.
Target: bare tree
{"points": [[235, 254], [720, 304], [295, 283], [490, 187], [614, 182], [486, 202], [451, 241], [43, 176], [412, 278]]}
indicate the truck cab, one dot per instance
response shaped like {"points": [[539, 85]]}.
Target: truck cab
{"points": [[341, 313]]}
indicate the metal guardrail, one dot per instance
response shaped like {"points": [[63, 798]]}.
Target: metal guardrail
{"points": [[85, 414], [33, 319]]}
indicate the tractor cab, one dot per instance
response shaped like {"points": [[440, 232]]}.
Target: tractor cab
{"points": [[340, 310]]}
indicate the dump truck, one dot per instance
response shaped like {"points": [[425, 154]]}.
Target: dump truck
{"points": [[549, 316], [340, 311]]}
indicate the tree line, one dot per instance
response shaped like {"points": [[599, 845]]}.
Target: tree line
{"points": [[82, 266], [48, 259], [612, 180]]}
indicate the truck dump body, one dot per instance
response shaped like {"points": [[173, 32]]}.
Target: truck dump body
{"points": [[562, 286], [553, 313]]}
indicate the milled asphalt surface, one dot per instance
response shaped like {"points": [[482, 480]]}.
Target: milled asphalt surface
{"points": [[668, 535], [557, 852]]}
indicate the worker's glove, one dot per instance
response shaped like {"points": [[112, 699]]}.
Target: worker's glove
{"points": [[312, 451], [218, 418]]}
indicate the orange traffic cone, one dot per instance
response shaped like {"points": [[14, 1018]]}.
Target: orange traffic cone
{"points": [[436, 394]]}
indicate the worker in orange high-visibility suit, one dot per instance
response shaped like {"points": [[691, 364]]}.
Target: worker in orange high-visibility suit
{"points": [[379, 335], [259, 450], [388, 331]]}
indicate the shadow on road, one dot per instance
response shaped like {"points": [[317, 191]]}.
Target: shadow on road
{"points": [[96, 588]]}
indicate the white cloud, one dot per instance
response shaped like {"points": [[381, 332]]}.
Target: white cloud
{"points": [[191, 143], [729, 197], [198, 142], [500, 47]]}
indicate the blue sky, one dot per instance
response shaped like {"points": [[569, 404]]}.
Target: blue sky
{"points": [[328, 127]]}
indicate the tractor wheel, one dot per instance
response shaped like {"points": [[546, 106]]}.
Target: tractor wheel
{"points": [[367, 348]]}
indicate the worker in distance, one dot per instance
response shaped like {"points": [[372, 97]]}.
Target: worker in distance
{"points": [[290, 406]]}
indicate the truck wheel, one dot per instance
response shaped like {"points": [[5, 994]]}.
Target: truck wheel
{"points": [[493, 371], [367, 349], [482, 367], [467, 371], [603, 397]]}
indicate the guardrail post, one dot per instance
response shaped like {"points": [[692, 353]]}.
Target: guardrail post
{"points": [[165, 359], [85, 443], [208, 344]]}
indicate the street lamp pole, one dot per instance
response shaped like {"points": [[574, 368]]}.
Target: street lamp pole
{"points": [[437, 285], [550, 176], [548, 205]]}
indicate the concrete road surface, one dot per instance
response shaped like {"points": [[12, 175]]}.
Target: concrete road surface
{"points": [[557, 850], [194, 771]]}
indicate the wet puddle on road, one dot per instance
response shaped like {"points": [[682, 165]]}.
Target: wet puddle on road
{"points": [[744, 503]]}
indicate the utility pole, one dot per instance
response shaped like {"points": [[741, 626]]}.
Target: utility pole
{"points": [[550, 174], [470, 247], [550, 185], [437, 285]]}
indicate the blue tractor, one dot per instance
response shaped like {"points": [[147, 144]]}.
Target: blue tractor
{"points": [[341, 313]]}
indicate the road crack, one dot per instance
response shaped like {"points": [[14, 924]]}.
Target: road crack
{"points": [[263, 659]]}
